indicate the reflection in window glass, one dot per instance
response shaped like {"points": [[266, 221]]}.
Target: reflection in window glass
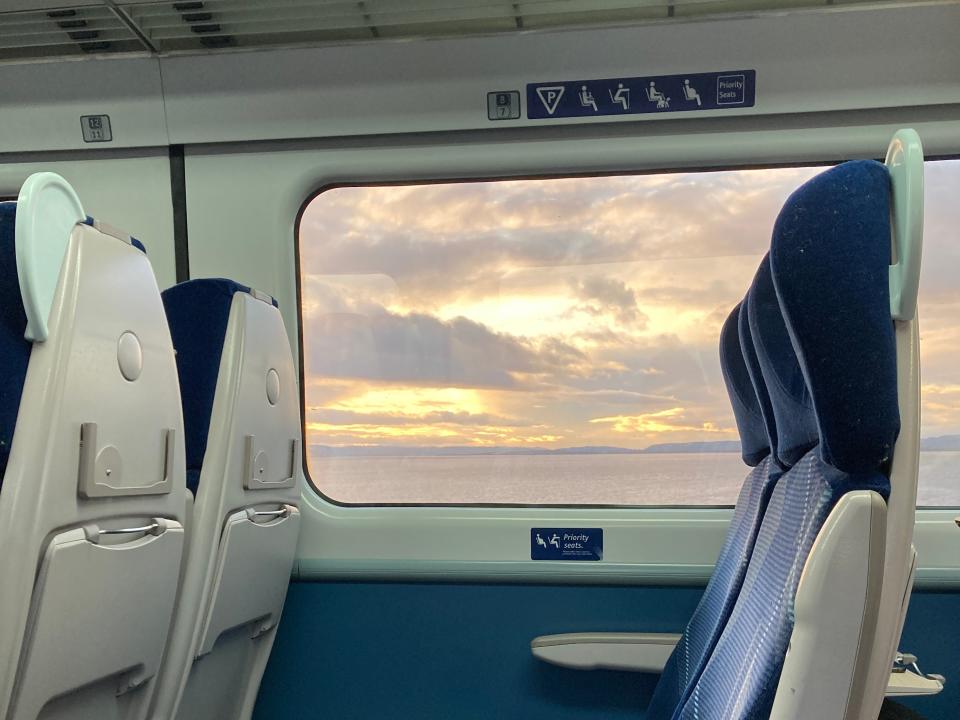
{"points": [[555, 341]]}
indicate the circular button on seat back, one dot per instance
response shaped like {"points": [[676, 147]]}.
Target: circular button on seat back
{"points": [[129, 356], [273, 386]]}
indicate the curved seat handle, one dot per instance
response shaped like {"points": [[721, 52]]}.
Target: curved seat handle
{"points": [[94, 532], [281, 512], [905, 164], [47, 211]]}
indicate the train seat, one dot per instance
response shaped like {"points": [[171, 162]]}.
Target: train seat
{"points": [[241, 413], [92, 501], [754, 423], [801, 634]]}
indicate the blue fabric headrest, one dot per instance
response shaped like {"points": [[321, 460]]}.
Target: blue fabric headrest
{"points": [[796, 424], [829, 259], [769, 425], [754, 443], [198, 312], [14, 348]]}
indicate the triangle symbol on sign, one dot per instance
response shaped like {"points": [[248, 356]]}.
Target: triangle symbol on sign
{"points": [[550, 97]]}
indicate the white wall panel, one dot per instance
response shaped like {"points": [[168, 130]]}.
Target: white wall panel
{"points": [[41, 103], [839, 59], [130, 193]]}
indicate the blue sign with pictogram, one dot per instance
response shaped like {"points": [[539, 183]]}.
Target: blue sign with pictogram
{"points": [[642, 95], [566, 544]]}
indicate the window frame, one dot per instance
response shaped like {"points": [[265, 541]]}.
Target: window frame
{"points": [[441, 179]]}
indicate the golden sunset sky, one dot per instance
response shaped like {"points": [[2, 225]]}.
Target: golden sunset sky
{"points": [[561, 312]]}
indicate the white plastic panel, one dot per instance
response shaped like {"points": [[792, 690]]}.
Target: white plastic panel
{"points": [[106, 289], [635, 652], [238, 562], [835, 614], [43, 103], [905, 164], [98, 616], [442, 85], [908, 684], [47, 211], [250, 582]]}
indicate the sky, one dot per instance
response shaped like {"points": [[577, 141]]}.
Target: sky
{"points": [[561, 312]]}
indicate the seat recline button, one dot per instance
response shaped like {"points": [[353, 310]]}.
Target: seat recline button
{"points": [[129, 356], [273, 386]]}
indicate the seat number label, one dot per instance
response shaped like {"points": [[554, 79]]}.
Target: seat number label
{"points": [[96, 128]]}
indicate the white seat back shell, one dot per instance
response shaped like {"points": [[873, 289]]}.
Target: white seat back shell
{"points": [[90, 571], [245, 525]]}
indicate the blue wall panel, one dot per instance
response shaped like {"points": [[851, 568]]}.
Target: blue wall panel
{"points": [[446, 651], [443, 651], [932, 632]]}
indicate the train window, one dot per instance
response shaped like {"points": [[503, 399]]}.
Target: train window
{"points": [[939, 308], [554, 341]]}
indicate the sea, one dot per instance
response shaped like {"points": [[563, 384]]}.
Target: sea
{"points": [[651, 479]]}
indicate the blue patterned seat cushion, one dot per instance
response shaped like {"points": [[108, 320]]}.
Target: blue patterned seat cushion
{"points": [[739, 680], [710, 616], [747, 392]]}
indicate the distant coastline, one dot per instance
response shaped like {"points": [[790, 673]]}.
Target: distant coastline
{"points": [[942, 443], [465, 450]]}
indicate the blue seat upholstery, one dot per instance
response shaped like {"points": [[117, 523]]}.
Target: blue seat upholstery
{"points": [[197, 312], [832, 281], [14, 348], [829, 266], [795, 426], [751, 363], [710, 616]]}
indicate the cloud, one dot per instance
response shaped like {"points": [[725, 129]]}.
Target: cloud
{"points": [[416, 348], [331, 416], [455, 241], [586, 310], [605, 296], [940, 405], [671, 420]]}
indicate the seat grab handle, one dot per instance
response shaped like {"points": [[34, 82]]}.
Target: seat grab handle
{"points": [[94, 532], [279, 513]]}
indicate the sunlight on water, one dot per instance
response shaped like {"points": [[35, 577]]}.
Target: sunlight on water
{"points": [[640, 479]]}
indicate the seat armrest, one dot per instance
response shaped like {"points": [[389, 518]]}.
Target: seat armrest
{"points": [[906, 682], [636, 652]]}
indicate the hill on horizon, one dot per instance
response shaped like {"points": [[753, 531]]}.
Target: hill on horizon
{"points": [[460, 450], [941, 443]]}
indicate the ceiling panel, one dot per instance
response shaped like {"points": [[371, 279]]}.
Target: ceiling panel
{"points": [[35, 29]]}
